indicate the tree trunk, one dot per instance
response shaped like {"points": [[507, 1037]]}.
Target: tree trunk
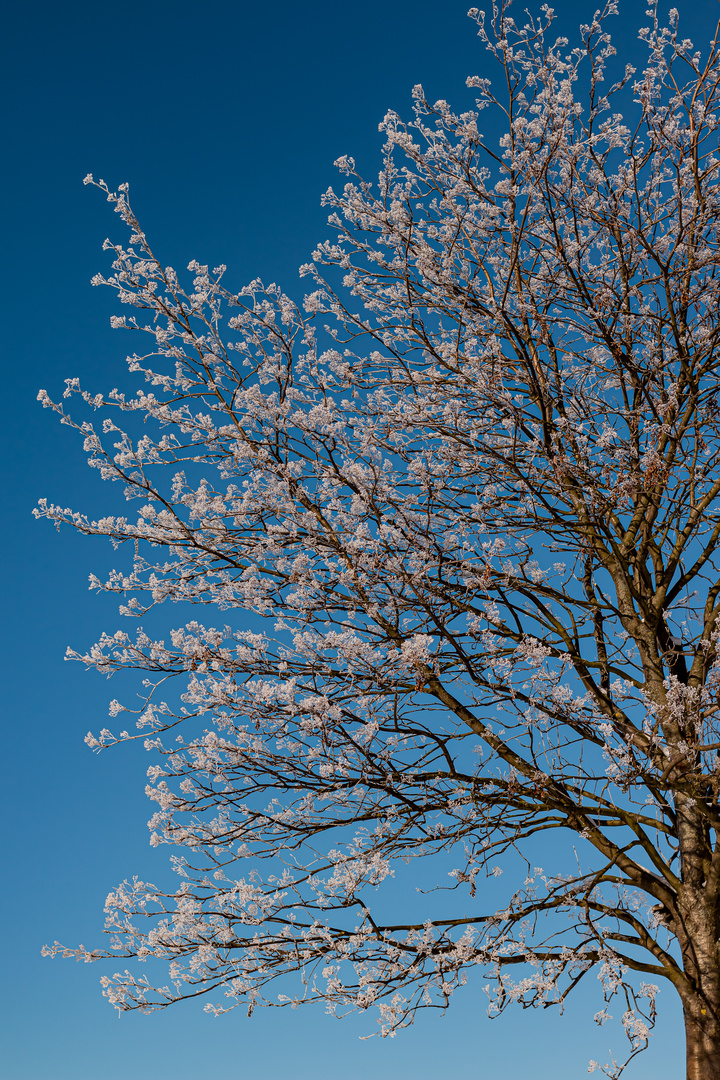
{"points": [[702, 1046], [698, 933]]}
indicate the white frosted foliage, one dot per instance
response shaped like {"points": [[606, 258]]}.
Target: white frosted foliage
{"points": [[450, 524]]}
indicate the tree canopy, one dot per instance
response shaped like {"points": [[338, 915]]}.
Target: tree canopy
{"points": [[455, 519]]}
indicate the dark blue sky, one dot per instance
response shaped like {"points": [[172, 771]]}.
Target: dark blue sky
{"points": [[225, 119]]}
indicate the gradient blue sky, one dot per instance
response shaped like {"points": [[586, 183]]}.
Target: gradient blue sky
{"points": [[225, 119]]}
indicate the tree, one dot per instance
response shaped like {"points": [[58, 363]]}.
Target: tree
{"points": [[467, 497]]}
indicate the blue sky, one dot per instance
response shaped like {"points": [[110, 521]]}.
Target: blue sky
{"points": [[225, 119]]}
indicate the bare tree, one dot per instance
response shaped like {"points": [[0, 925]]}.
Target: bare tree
{"points": [[470, 490]]}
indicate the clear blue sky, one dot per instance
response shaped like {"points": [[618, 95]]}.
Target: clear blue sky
{"points": [[225, 119]]}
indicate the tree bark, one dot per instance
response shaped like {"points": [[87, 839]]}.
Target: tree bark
{"points": [[698, 933], [702, 1036]]}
